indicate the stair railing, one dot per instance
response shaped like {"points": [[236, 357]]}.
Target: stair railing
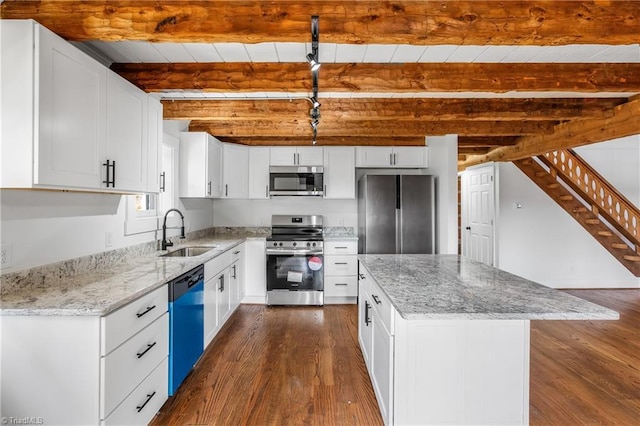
{"points": [[605, 200]]}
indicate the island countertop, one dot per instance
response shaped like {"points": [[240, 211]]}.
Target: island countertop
{"points": [[454, 287]]}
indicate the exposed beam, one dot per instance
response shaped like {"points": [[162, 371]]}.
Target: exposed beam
{"points": [[401, 22], [624, 122], [486, 141], [329, 140], [473, 151], [393, 109], [301, 128], [368, 77]]}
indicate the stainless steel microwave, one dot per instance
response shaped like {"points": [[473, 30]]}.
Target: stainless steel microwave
{"points": [[296, 181]]}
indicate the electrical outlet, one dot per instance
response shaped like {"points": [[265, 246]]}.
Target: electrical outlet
{"points": [[5, 256], [108, 239]]}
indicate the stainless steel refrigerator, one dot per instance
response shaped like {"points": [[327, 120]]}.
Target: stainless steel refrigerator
{"points": [[396, 214]]}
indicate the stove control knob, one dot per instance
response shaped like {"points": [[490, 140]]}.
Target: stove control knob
{"points": [[314, 244], [295, 244], [308, 244], [275, 244], [280, 244]]}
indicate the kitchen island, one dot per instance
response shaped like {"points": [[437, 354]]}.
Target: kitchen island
{"points": [[446, 339]]}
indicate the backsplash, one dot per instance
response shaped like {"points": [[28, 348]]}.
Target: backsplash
{"points": [[109, 262]]}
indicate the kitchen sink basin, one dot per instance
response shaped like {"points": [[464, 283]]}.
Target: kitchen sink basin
{"points": [[188, 251]]}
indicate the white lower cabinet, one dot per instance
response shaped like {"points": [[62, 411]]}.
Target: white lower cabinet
{"points": [[340, 273], [255, 270], [434, 372], [222, 290], [87, 370]]}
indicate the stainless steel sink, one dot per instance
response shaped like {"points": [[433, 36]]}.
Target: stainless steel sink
{"points": [[188, 251]]}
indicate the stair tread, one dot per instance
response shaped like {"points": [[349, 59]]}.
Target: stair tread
{"points": [[631, 258], [619, 245]]}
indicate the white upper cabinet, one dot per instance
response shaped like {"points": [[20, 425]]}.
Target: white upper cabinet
{"points": [[127, 118], [378, 156], [200, 165], [296, 156], [64, 115], [339, 172], [259, 172], [235, 170], [154, 144]]}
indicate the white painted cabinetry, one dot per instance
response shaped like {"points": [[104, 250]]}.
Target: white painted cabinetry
{"points": [[440, 371], [296, 156], [259, 172], [64, 115], [154, 148], [340, 273], [235, 170], [88, 370], [222, 290], [200, 165], [255, 270], [339, 172], [378, 156]]}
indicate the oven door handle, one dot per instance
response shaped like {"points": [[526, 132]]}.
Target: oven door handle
{"points": [[294, 252]]}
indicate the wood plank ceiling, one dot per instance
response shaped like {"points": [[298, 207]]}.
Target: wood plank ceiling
{"points": [[511, 78]]}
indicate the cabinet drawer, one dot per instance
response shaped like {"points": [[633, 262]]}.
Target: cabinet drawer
{"points": [[379, 301], [236, 252], [126, 367], [341, 247], [217, 264], [128, 320], [340, 286], [340, 265], [145, 400]]}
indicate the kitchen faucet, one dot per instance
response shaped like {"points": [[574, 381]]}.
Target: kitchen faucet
{"points": [[169, 243]]}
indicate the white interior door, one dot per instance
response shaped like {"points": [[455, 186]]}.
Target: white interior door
{"points": [[478, 211]]}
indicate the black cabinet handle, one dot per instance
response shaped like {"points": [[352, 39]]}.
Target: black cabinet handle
{"points": [[236, 252], [226, 190], [149, 308], [149, 346], [163, 183], [221, 279], [340, 247], [340, 263], [376, 299], [111, 174], [341, 284], [234, 272], [209, 190], [367, 320], [149, 396], [361, 276]]}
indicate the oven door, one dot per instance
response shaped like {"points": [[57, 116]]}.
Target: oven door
{"points": [[295, 272]]}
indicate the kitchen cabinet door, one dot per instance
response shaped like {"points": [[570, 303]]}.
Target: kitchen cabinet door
{"points": [[310, 156], [284, 156], [235, 170], [381, 366], [258, 172], [374, 156], [255, 270], [200, 165], [339, 172], [411, 156], [154, 144], [210, 310], [70, 89], [127, 118], [365, 328], [223, 284]]}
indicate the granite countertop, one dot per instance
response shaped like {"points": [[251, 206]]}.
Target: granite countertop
{"points": [[99, 292], [453, 287], [339, 233]]}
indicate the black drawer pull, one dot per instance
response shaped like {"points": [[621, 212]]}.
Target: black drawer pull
{"points": [[149, 308], [340, 247], [149, 396], [149, 346], [367, 318], [361, 276], [341, 284], [376, 299], [340, 263]]}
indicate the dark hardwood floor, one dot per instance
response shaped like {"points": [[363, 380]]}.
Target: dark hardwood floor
{"points": [[303, 366]]}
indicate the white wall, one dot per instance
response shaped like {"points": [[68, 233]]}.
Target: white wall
{"points": [[543, 243], [41, 227]]}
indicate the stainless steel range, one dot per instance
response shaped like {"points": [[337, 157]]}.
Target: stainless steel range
{"points": [[295, 261]]}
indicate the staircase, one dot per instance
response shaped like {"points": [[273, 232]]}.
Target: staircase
{"points": [[609, 217]]}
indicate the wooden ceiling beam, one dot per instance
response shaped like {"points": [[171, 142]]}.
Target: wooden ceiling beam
{"points": [[624, 122], [327, 141], [370, 77], [486, 141], [301, 128], [356, 22], [394, 109]]}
